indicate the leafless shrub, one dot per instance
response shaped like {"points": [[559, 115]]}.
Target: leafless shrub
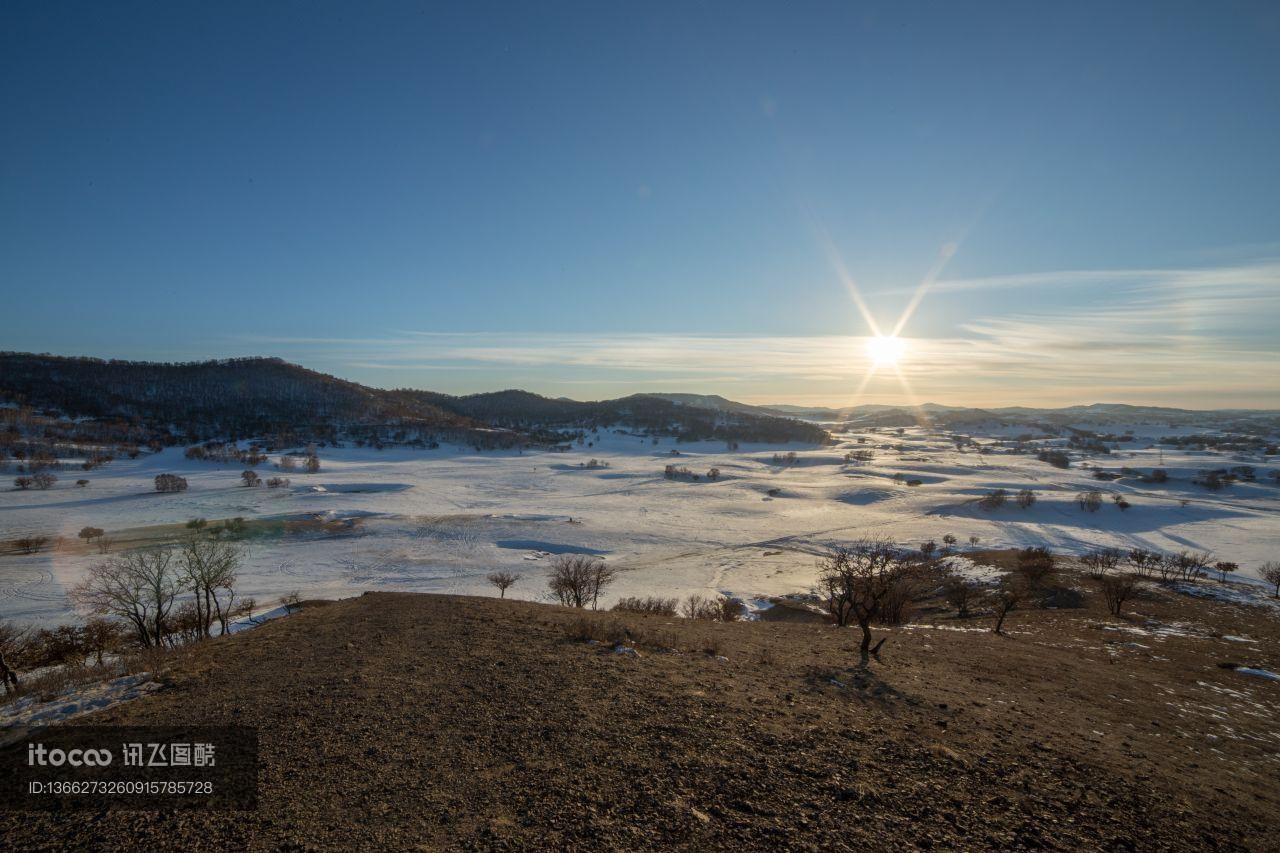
{"points": [[44, 480], [1270, 572], [714, 609], [31, 544], [1035, 565], [1116, 589], [502, 580], [170, 483], [1186, 566], [1101, 561], [1090, 501], [653, 605], [961, 593], [13, 638], [578, 579], [993, 499], [1026, 499], [1144, 561], [100, 636]]}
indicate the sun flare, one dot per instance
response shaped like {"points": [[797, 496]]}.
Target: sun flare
{"points": [[886, 350]]}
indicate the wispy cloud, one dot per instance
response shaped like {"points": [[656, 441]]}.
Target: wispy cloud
{"points": [[1188, 337]]}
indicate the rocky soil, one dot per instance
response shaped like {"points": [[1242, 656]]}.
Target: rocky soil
{"points": [[403, 720]]}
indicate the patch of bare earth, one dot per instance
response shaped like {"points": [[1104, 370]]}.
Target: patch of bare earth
{"points": [[397, 720]]}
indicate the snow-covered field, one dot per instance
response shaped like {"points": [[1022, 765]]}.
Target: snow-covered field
{"points": [[439, 520]]}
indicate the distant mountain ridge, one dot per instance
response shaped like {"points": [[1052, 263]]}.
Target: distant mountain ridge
{"points": [[253, 397], [1115, 414]]}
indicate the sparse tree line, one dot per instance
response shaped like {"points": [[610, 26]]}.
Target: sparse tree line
{"points": [[996, 498], [578, 581], [1090, 500], [226, 453], [151, 598], [683, 472], [1230, 442], [1219, 478], [169, 594]]}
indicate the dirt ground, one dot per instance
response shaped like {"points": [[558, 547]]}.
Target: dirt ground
{"points": [[403, 720]]}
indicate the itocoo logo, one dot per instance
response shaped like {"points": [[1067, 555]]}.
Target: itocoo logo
{"points": [[39, 755]]}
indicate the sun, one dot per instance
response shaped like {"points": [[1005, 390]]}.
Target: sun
{"points": [[886, 351]]}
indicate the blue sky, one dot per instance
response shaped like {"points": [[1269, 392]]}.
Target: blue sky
{"points": [[596, 199]]}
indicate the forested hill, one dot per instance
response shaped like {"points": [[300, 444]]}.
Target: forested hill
{"points": [[255, 397], [521, 410]]}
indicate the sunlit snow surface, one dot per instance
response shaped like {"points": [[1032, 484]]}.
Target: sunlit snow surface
{"points": [[440, 520]]}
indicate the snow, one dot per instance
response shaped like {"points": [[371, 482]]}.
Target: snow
{"points": [[440, 520], [75, 701], [1261, 673]]}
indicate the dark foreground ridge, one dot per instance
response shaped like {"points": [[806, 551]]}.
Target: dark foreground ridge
{"points": [[397, 720]]}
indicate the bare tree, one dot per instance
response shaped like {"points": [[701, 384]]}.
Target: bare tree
{"points": [[89, 534], [44, 480], [578, 579], [8, 675], [208, 570], [993, 499], [170, 483], [138, 587], [860, 582], [1224, 568], [1035, 565], [1117, 589], [502, 580], [1102, 560], [15, 643], [1270, 572], [23, 483], [31, 544], [1090, 500], [1144, 560], [961, 593], [1188, 566], [99, 636], [1004, 601], [251, 478]]}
